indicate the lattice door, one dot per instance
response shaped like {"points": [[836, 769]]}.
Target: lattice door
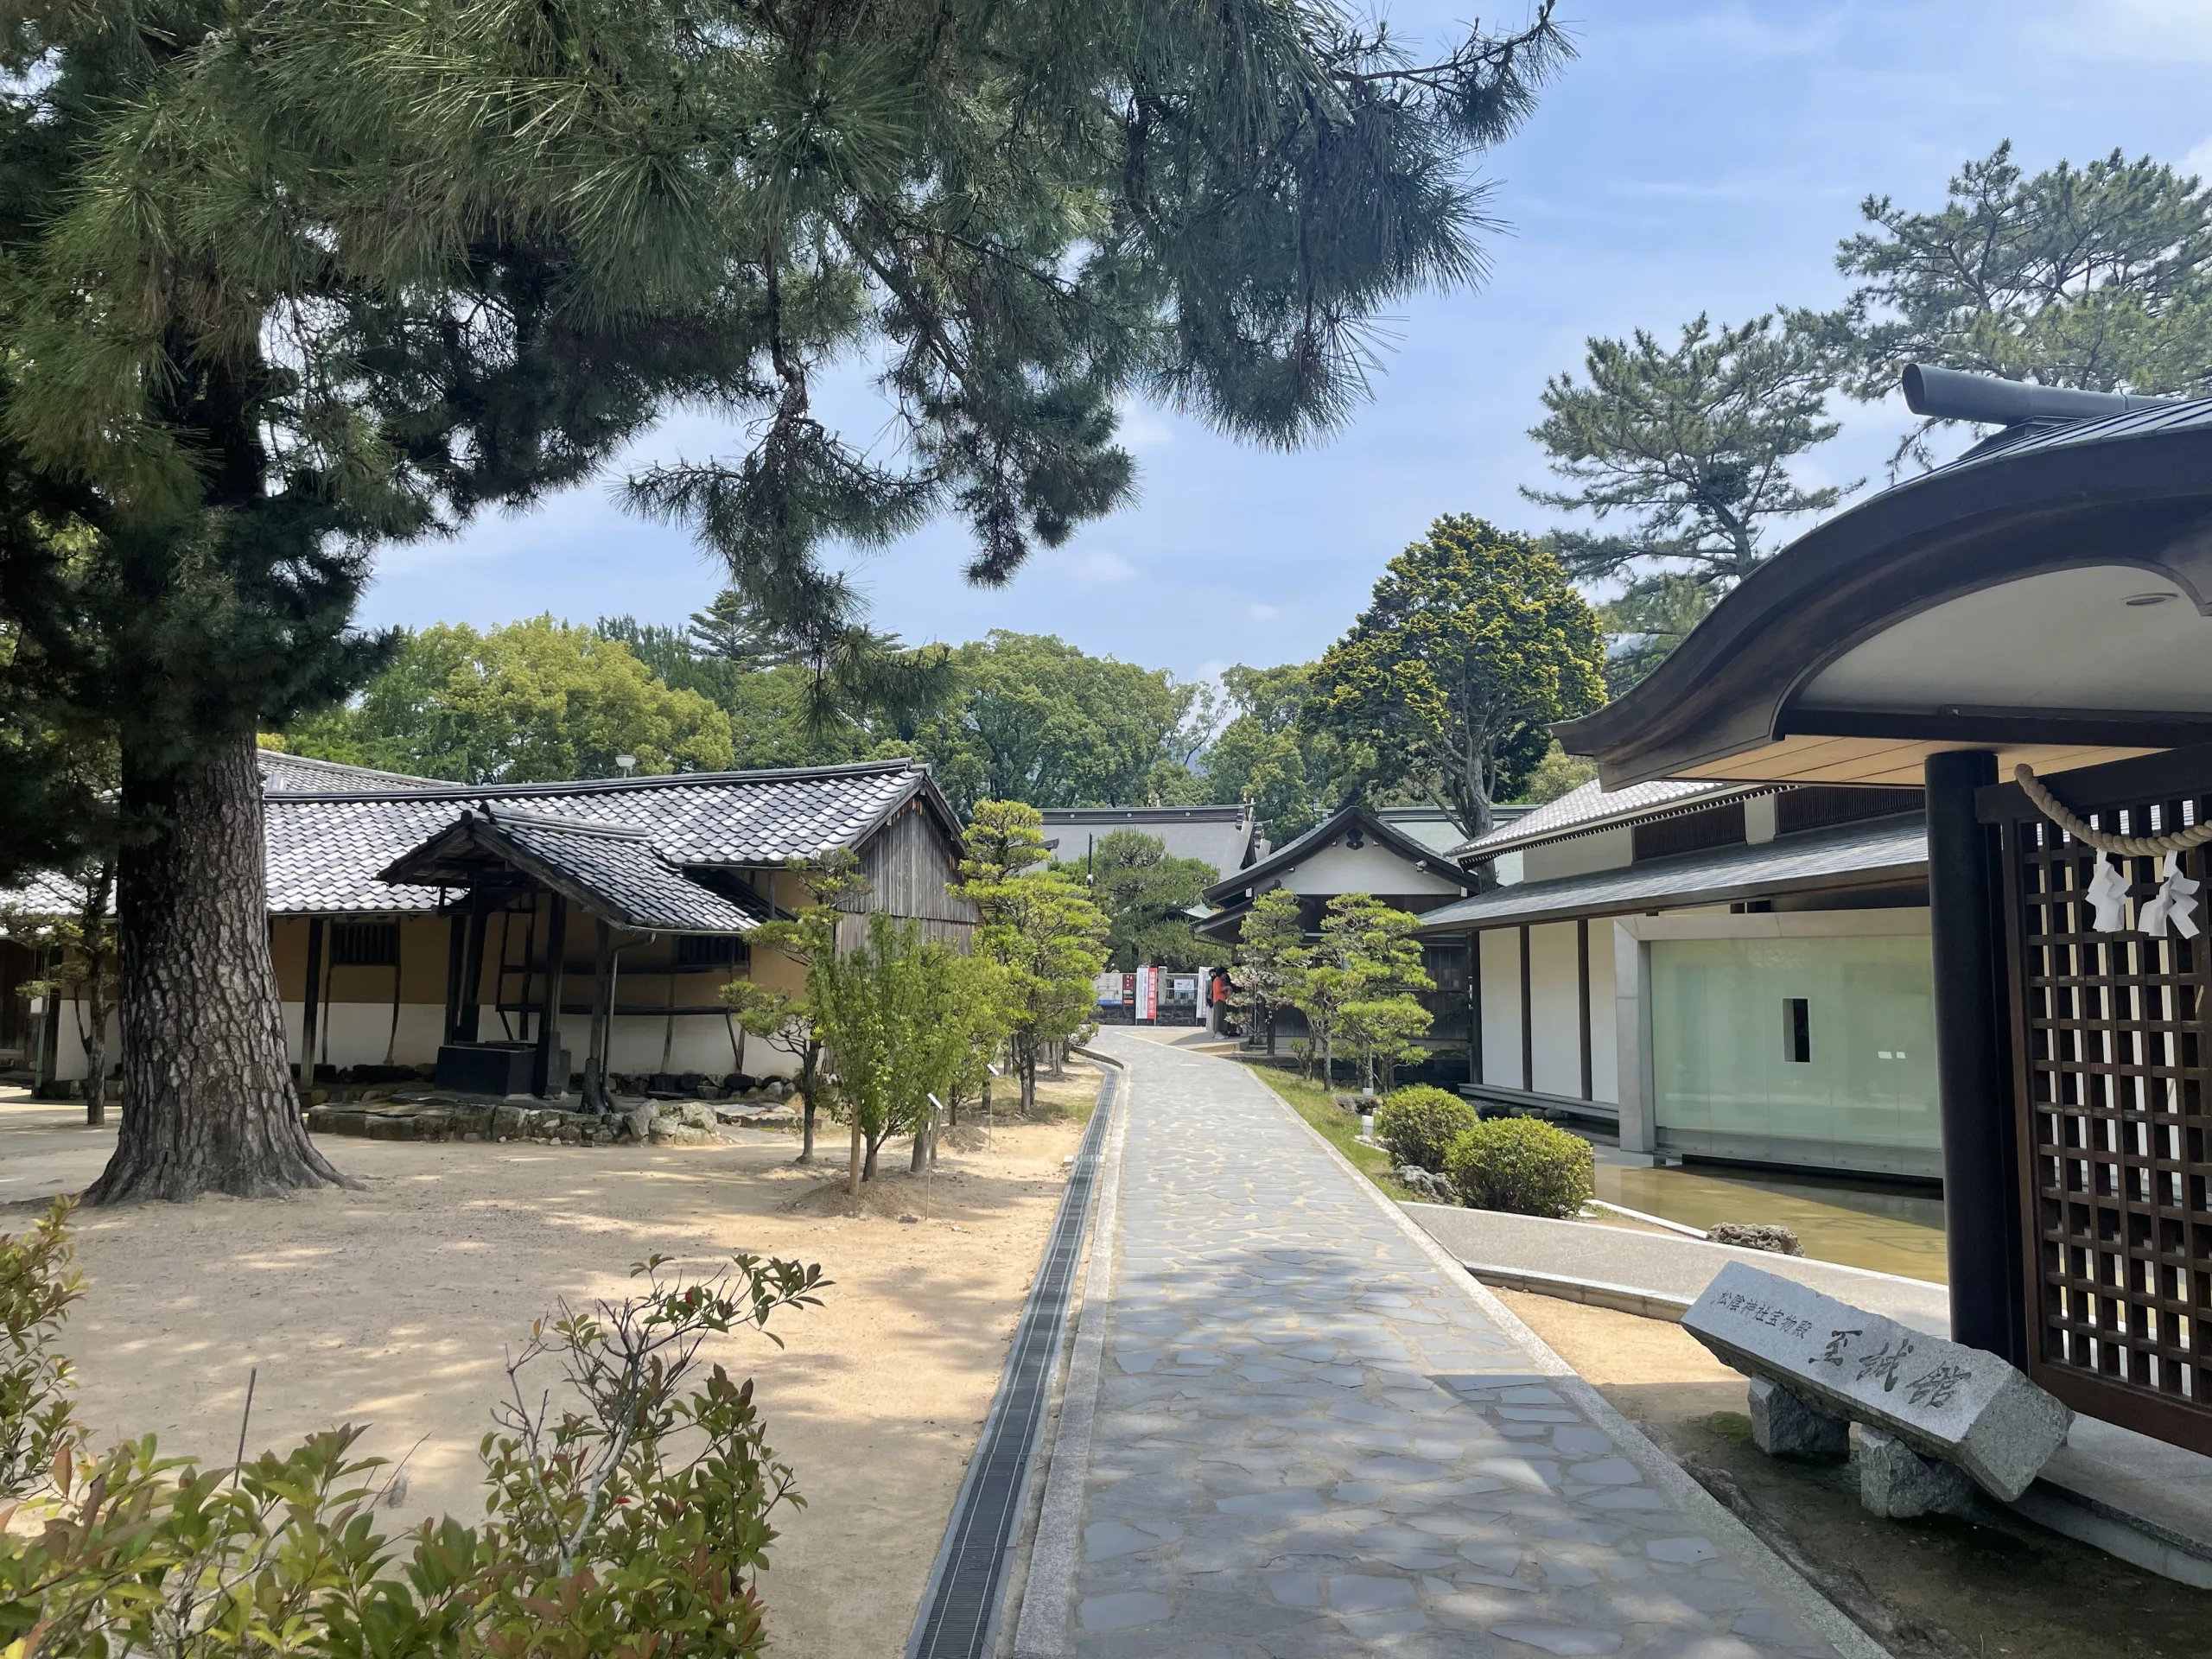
{"points": [[2110, 1058]]}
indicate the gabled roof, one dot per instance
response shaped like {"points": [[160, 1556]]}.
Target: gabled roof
{"points": [[1882, 852], [43, 897], [1225, 837], [1231, 887], [326, 850], [1591, 807], [611, 871]]}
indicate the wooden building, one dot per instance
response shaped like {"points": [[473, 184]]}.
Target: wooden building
{"points": [[408, 916]]}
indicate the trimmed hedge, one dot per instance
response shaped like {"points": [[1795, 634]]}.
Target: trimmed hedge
{"points": [[1419, 1124], [1523, 1166]]}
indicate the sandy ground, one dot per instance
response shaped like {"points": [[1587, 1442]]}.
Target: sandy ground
{"points": [[393, 1305], [1933, 1588]]}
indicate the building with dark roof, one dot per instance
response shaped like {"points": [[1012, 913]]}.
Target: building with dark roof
{"points": [[411, 915], [1225, 837]]}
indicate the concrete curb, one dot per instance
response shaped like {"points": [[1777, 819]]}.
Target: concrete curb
{"points": [[1700, 1507], [1596, 1292], [1047, 1604]]}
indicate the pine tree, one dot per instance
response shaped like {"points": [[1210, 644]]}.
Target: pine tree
{"points": [[287, 282], [1270, 946]]}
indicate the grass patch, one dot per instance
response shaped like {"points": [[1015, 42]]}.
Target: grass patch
{"points": [[1339, 1127]]}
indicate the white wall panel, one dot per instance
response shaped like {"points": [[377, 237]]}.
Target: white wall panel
{"points": [[1604, 1040], [1502, 1006], [1555, 996]]}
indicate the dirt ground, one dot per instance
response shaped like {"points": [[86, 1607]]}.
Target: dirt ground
{"points": [[394, 1305], [1933, 1588]]}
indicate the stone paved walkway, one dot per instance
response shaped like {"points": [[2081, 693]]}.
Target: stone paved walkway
{"points": [[1308, 1441]]}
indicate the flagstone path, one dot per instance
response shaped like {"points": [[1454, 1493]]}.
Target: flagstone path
{"points": [[1308, 1440]]}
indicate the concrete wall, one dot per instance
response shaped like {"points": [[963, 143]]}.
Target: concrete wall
{"points": [[1501, 983], [1556, 1010]]}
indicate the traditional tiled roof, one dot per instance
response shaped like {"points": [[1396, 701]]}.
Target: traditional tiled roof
{"points": [[1886, 850], [612, 870], [43, 895], [326, 849], [1225, 837], [299, 774], [1591, 807]]}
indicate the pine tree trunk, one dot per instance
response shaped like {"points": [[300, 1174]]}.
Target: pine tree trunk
{"points": [[208, 1104]]}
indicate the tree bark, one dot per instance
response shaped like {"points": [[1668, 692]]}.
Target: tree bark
{"points": [[853, 1169], [208, 1103]]}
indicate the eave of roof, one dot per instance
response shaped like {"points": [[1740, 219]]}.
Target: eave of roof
{"points": [[1879, 853], [1225, 891], [1604, 809], [2062, 496]]}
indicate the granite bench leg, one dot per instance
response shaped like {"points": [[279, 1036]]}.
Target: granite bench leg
{"points": [[1785, 1427], [1896, 1482]]}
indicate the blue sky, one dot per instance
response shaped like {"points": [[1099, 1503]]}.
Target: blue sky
{"points": [[1697, 156]]}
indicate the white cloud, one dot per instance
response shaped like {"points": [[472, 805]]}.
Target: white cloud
{"points": [[1100, 569], [1261, 612], [2159, 31]]}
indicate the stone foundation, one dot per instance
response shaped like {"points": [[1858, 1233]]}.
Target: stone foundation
{"points": [[690, 1123]]}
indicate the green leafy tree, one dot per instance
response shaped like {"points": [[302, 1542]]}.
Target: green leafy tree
{"points": [[2098, 277], [1295, 772], [872, 1004], [287, 283], [530, 702], [834, 884], [966, 1023], [1033, 719], [1692, 445], [1354, 984], [1473, 643], [1148, 898], [1270, 950], [1037, 923]]}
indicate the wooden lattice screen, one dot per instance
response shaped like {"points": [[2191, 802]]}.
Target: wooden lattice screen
{"points": [[2111, 1067]]}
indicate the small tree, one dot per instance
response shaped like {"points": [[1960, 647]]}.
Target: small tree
{"points": [[1270, 947], [83, 956], [1039, 925], [874, 1006], [1383, 1029], [1474, 642], [809, 939], [968, 1021], [1349, 984]]}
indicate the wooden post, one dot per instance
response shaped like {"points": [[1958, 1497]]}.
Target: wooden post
{"points": [[1982, 1223], [1528, 1021], [456, 954], [602, 1018], [1475, 1006], [308, 1012], [1582, 995], [542, 1083], [470, 1010]]}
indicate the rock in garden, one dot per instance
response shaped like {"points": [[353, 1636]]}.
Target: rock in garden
{"points": [[1757, 1237], [1784, 1426], [1425, 1183], [1896, 1481], [1942, 1399], [640, 1121]]}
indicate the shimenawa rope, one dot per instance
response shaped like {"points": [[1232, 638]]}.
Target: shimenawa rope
{"points": [[2178, 841]]}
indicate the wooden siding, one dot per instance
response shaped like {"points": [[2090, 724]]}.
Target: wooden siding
{"points": [[909, 866]]}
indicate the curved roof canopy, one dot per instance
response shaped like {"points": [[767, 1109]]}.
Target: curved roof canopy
{"points": [[2048, 595]]}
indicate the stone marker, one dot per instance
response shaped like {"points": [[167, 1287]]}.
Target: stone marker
{"points": [[1784, 1426], [1895, 1480], [1944, 1401]]}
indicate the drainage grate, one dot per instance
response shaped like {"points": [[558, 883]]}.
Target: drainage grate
{"points": [[960, 1613]]}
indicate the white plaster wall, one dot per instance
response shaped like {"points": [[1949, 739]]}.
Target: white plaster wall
{"points": [[69, 1053], [1555, 1018], [1502, 1006], [359, 1031], [1604, 1040], [1338, 868], [1609, 849]]}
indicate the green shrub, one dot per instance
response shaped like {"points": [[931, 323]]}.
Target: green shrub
{"points": [[1521, 1166], [38, 1281], [627, 1511], [1420, 1124]]}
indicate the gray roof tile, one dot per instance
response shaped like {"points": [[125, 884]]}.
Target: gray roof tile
{"points": [[1885, 847], [1586, 807], [325, 849]]}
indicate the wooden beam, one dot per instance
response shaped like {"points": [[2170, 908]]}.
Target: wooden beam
{"points": [[1528, 1020], [1582, 995]]}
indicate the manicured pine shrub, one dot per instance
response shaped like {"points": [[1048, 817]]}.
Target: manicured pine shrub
{"points": [[1419, 1124], [1521, 1166]]}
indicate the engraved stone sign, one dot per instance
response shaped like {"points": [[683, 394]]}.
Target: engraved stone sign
{"points": [[1944, 1401]]}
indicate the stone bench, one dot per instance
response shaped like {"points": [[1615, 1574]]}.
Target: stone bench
{"points": [[1932, 1413]]}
